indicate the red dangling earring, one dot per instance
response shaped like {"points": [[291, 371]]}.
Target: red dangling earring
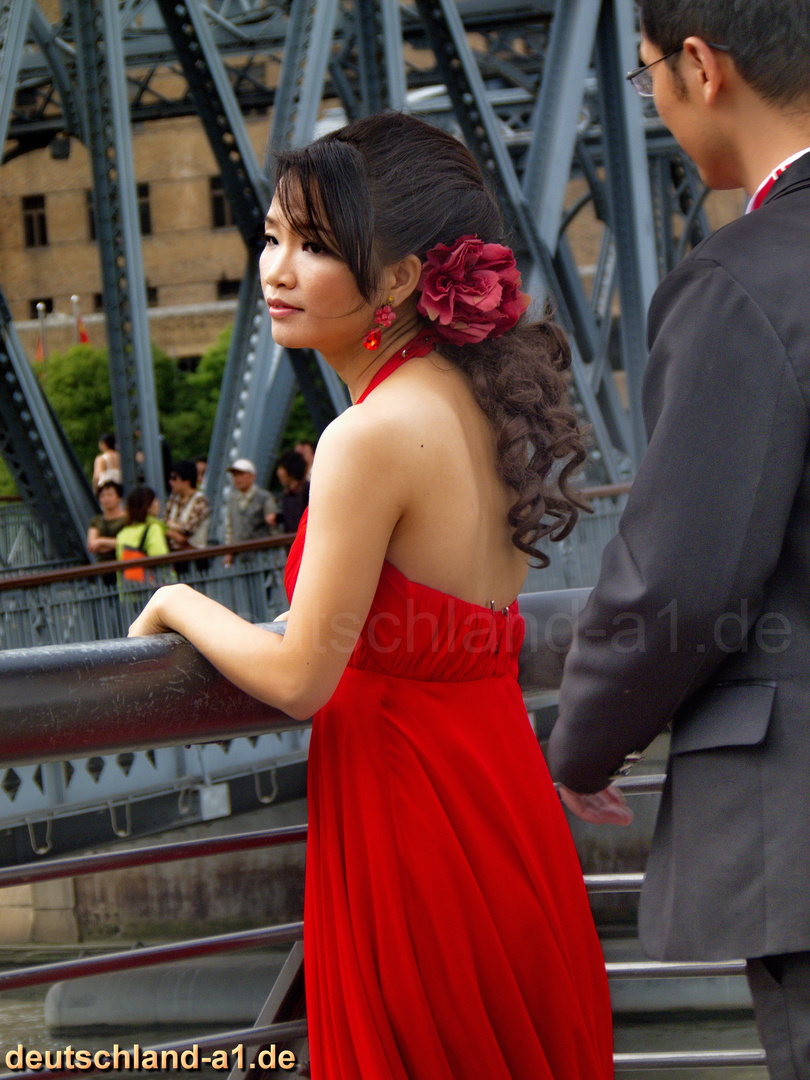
{"points": [[383, 317]]}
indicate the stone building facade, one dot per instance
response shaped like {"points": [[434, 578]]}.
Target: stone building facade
{"points": [[193, 257]]}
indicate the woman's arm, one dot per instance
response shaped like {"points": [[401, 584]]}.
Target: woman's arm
{"points": [[356, 500]]}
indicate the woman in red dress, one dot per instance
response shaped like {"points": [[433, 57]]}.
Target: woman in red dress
{"points": [[447, 933]]}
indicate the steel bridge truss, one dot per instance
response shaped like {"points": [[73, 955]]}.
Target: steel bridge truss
{"points": [[536, 90]]}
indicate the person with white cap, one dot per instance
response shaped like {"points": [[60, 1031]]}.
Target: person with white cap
{"points": [[251, 509]]}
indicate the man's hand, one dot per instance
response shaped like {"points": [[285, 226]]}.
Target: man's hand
{"points": [[607, 807]]}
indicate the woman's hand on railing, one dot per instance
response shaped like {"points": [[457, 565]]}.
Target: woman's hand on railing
{"points": [[151, 619], [607, 807]]}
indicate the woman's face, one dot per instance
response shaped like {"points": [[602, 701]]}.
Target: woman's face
{"points": [[310, 292]]}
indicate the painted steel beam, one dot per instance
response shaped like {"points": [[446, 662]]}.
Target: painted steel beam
{"points": [[36, 452], [630, 202], [102, 78], [246, 189], [480, 127], [557, 113], [260, 387], [47, 40], [14, 18]]}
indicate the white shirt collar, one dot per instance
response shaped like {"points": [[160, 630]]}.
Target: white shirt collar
{"points": [[758, 197]]}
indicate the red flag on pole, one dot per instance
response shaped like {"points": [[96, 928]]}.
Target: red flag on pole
{"points": [[39, 356], [81, 333]]}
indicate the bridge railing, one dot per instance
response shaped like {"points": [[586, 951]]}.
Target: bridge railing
{"points": [[42, 605], [124, 695], [96, 602], [24, 540]]}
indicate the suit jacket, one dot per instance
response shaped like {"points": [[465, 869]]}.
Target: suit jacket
{"points": [[701, 616]]}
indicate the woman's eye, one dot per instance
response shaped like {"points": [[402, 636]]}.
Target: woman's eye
{"points": [[269, 240], [315, 248]]}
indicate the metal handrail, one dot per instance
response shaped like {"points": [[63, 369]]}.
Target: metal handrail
{"points": [[283, 934], [688, 1059], [56, 706], [282, 540], [98, 569], [103, 861], [56, 698]]}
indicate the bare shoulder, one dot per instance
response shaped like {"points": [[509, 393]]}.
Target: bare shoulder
{"points": [[404, 415]]}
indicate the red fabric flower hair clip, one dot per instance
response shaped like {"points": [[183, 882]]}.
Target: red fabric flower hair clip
{"points": [[471, 291]]}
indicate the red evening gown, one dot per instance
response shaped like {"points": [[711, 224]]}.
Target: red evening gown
{"points": [[447, 931]]}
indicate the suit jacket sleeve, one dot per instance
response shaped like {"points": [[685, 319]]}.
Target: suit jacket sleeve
{"points": [[681, 584]]}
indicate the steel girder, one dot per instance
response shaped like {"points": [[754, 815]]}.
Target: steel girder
{"points": [[479, 124], [31, 441], [102, 78], [259, 384], [525, 100], [246, 189], [14, 18], [629, 199], [38, 456]]}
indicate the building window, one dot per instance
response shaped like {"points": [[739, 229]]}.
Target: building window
{"points": [[227, 288], [91, 216], [33, 312], [143, 210], [221, 214], [98, 301], [151, 296], [34, 224]]}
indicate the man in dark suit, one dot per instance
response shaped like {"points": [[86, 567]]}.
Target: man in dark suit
{"points": [[701, 617]]}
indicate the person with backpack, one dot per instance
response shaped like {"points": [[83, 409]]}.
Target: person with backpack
{"points": [[144, 534]]}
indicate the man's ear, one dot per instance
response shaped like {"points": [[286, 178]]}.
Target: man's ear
{"points": [[705, 66], [402, 278]]}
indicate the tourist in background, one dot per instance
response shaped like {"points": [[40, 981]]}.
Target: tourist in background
{"points": [[104, 527], [306, 448], [251, 510], [107, 464], [292, 475], [187, 513], [144, 534]]}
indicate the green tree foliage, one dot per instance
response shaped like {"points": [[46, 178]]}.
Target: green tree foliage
{"points": [[7, 485], [299, 426], [188, 425], [77, 384]]}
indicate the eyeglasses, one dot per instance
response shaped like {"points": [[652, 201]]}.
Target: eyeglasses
{"points": [[642, 79]]}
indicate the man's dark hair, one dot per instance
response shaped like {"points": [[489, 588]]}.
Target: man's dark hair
{"points": [[294, 464], [769, 40], [186, 470]]}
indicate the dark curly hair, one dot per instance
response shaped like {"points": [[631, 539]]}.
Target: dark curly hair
{"points": [[390, 185]]}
